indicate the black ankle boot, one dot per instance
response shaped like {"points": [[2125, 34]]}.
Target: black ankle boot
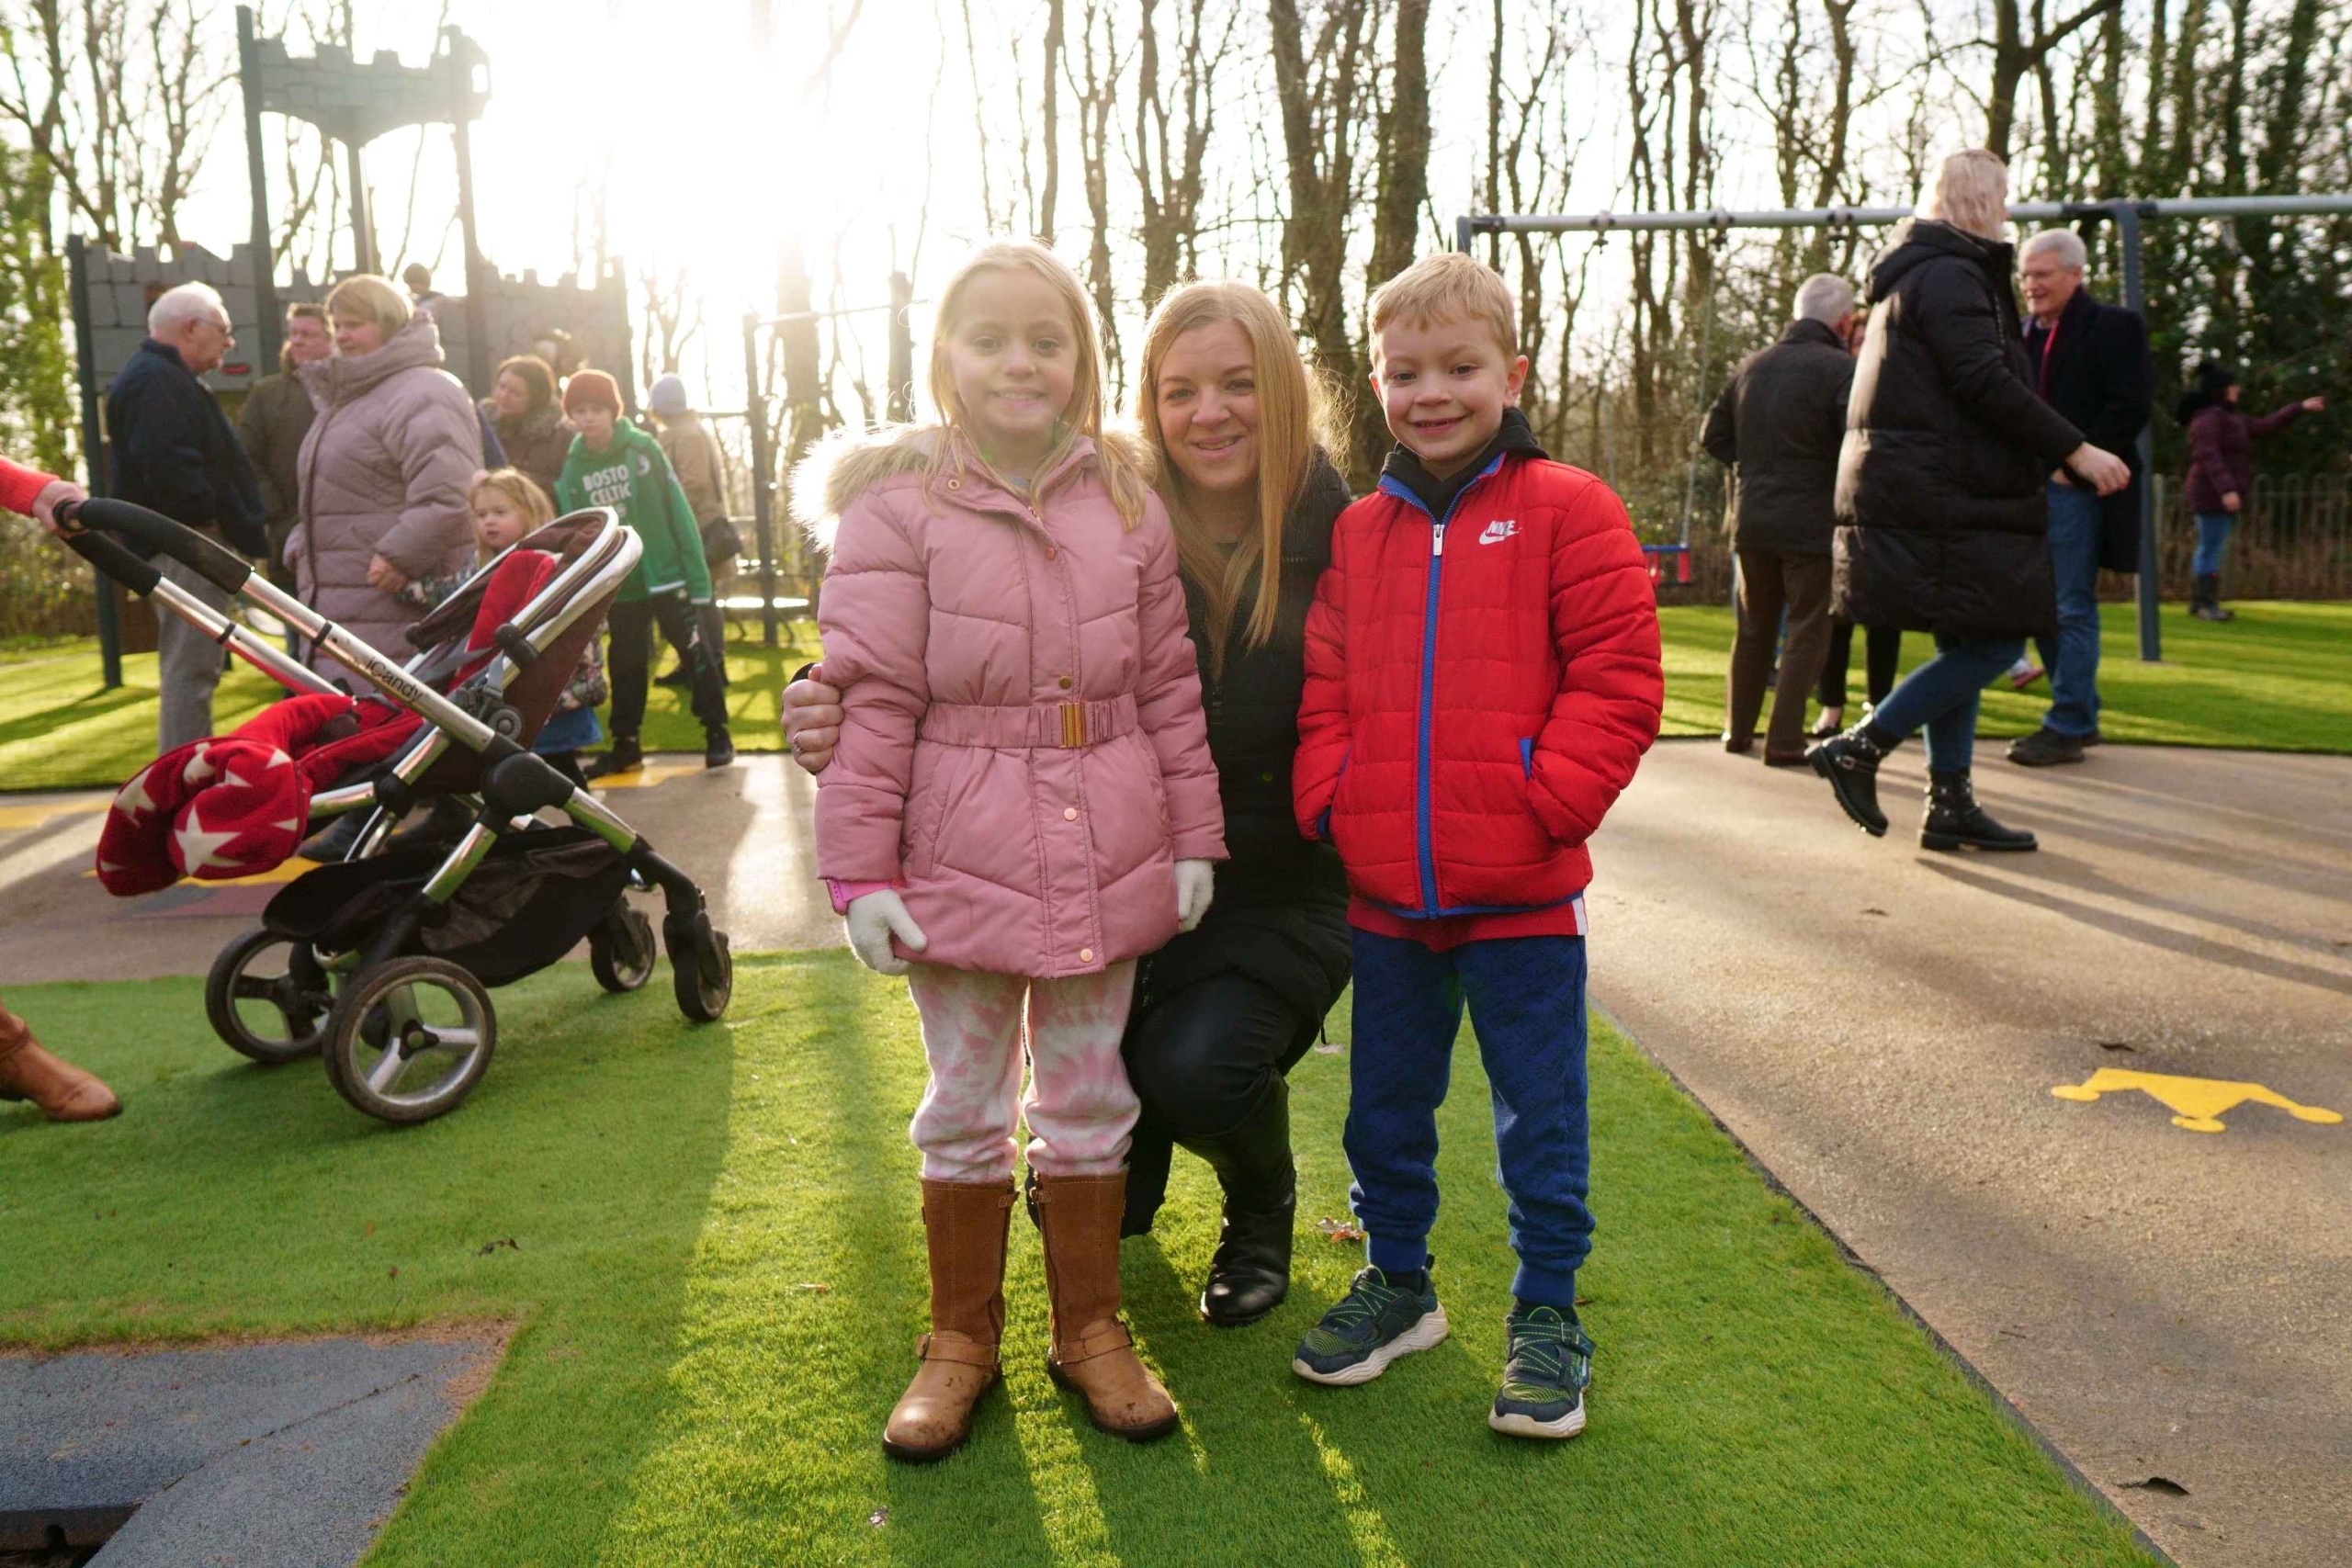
{"points": [[1251, 1273], [1954, 820], [1149, 1153], [1850, 762], [2205, 599], [625, 756]]}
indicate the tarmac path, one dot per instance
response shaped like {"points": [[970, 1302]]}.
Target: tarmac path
{"points": [[1884, 1027]]}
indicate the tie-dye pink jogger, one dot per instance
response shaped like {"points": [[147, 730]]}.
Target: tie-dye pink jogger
{"points": [[1081, 1108]]}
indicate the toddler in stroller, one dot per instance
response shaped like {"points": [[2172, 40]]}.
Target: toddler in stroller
{"points": [[382, 963]]}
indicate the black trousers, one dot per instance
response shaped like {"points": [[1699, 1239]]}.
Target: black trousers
{"points": [[1203, 1061], [632, 654], [710, 624], [1882, 651]]}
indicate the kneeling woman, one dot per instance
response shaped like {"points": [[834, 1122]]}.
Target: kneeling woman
{"points": [[1223, 1012]]}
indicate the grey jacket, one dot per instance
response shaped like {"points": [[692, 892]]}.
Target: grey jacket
{"points": [[384, 471]]}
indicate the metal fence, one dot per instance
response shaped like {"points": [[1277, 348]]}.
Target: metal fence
{"points": [[2293, 540]]}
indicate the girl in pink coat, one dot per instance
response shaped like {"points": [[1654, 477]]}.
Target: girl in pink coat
{"points": [[1023, 803]]}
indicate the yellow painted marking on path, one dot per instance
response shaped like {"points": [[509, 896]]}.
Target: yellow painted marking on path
{"points": [[645, 777], [2196, 1103], [17, 817], [286, 871]]}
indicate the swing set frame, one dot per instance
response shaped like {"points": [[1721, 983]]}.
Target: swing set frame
{"points": [[2128, 214]]}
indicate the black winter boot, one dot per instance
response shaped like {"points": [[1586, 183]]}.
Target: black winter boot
{"points": [[2205, 599], [1149, 1153], [1850, 762], [1251, 1273], [625, 756], [1954, 820]]}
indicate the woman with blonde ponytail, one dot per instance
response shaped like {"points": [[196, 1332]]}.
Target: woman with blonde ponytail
{"points": [[1233, 441]]}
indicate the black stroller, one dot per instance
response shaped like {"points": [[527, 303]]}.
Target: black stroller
{"points": [[382, 963]]}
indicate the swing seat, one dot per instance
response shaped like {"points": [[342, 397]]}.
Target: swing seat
{"points": [[1657, 554]]}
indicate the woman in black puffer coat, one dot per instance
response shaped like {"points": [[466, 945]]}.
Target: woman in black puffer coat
{"points": [[1943, 516]]}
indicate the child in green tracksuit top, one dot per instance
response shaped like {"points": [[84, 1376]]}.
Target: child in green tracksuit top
{"points": [[612, 463]]}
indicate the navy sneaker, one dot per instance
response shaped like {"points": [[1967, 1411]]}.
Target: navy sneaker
{"points": [[1373, 1325], [1544, 1377]]}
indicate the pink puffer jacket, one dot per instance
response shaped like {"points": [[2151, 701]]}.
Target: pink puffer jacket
{"points": [[1024, 748], [384, 471]]}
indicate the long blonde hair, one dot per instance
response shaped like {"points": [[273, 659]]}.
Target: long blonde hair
{"points": [[1972, 193], [1290, 413], [1082, 416]]}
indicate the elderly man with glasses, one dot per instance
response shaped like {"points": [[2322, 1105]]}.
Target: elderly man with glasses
{"points": [[2090, 363], [172, 450]]}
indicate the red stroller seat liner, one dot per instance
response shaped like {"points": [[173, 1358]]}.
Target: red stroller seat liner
{"points": [[239, 804]]}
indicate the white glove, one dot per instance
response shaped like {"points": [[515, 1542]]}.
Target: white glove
{"points": [[874, 919], [1195, 885]]}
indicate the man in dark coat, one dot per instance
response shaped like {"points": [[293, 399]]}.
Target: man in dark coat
{"points": [[173, 452], [1942, 513], [276, 416], [1778, 426], [2091, 365]]}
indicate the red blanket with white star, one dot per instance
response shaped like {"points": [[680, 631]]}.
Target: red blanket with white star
{"points": [[239, 804]]}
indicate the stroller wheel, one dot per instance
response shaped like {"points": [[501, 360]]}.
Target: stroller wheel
{"points": [[702, 968], [621, 951], [408, 1040], [267, 1009]]}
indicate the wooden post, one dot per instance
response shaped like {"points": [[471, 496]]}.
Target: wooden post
{"points": [[94, 450], [271, 328]]}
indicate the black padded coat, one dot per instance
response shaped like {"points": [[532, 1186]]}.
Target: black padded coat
{"points": [[1281, 911], [1942, 511], [1778, 427]]}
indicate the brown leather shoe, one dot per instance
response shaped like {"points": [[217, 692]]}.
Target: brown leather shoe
{"points": [[1091, 1350], [63, 1091], [965, 1222]]}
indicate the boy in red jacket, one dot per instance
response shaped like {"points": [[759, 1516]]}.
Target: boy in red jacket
{"points": [[1482, 679]]}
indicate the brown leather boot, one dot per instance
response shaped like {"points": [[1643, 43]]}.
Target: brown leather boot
{"points": [[63, 1091], [1091, 1351], [965, 1222]]}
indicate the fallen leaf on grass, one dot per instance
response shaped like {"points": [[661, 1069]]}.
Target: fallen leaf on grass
{"points": [[395, 1272], [879, 1517], [1339, 1230], [507, 1242], [813, 1285], [2163, 1484]]}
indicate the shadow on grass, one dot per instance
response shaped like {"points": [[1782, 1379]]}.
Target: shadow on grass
{"points": [[93, 704]]}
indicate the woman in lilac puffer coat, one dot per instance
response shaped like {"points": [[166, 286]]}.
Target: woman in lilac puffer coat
{"points": [[384, 470]]}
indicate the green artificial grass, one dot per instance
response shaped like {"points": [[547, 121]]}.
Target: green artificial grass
{"points": [[717, 1268], [2277, 679]]}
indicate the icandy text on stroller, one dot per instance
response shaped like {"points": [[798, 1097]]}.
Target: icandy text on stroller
{"points": [[381, 963]]}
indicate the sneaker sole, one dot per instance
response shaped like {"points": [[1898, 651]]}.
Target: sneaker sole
{"points": [[1423, 1335], [2058, 761], [1519, 1425]]}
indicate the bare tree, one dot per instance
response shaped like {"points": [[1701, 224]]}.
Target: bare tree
{"points": [[120, 98], [1170, 149]]}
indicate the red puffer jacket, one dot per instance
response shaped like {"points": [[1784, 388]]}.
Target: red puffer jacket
{"points": [[1479, 688]]}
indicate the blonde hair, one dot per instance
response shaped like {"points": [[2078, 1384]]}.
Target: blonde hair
{"points": [[1448, 284], [524, 493], [1971, 193], [1083, 414], [373, 299], [1291, 429]]}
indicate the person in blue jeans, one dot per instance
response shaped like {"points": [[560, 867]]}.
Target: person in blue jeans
{"points": [[1942, 506], [2091, 364], [2221, 470]]}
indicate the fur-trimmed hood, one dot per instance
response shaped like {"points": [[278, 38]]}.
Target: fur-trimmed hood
{"points": [[848, 463]]}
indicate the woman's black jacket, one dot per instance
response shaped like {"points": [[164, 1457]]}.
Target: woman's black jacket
{"points": [[1281, 911], [1943, 508]]}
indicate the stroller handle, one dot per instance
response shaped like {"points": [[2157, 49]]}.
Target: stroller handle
{"points": [[109, 557], [153, 532]]}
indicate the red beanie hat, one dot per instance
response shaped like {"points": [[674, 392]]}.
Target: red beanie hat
{"points": [[593, 388]]}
